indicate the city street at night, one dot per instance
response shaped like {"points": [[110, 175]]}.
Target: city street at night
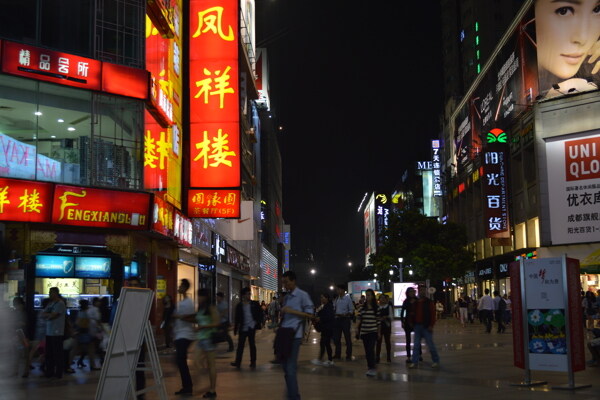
{"points": [[473, 365]]}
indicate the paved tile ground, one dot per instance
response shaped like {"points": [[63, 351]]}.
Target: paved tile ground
{"points": [[474, 365]]}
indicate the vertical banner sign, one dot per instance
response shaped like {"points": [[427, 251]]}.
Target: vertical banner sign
{"points": [[382, 212], [553, 325], [214, 95], [436, 168], [517, 314], [495, 185]]}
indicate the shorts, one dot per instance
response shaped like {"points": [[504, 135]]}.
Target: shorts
{"points": [[205, 344]]}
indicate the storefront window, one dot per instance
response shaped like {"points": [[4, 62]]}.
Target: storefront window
{"points": [[49, 133]]}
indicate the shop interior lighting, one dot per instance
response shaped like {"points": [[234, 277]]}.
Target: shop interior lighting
{"points": [[38, 113], [70, 129]]}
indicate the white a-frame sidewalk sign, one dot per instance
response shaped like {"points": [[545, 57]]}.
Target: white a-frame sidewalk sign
{"points": [[131, 328], [547, 320]]}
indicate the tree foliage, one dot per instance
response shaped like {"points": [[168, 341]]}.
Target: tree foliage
{"points": [[435, 251]]}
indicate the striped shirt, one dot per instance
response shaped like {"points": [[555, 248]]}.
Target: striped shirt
{"points": [[368, 320]]}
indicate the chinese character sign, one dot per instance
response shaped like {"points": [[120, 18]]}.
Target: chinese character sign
{"points": [[51, 66], [436, 167], [214, 203], [574, 189], [25, 200], [214, 95], [495, 197]]}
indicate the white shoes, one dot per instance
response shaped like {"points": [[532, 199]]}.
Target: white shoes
{"points": [[316, 361], [371, 372]]}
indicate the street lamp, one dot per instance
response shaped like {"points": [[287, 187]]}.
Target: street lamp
{"points": [[400, 268]]}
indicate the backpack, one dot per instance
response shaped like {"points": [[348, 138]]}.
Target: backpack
{"points": [[502, 305]]}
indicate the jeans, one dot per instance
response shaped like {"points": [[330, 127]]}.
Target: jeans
{"points": [[422, 332], [55, 363], [290, 368], [408, 334], [369, 341], [325, 344], [486, 318], [500, 320], [181, 349], [342, 325], [386, 333], [250, 334]]}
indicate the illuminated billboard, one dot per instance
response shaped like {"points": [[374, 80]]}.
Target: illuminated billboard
{"points": [[214, 153], [574, 188]]}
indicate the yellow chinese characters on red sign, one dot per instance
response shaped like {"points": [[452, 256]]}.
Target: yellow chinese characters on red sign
{"points": [[214, 203], [214, 151], [26, 201]]}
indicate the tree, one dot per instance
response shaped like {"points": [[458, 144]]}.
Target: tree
{"points": [[435, 251]]}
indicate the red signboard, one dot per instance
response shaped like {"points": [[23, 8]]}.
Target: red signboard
{"points": [[100, 208], [157, 148], [214, 203], [183, 229], [51, 66], [576, 334], [214, 103], [125, 81], [25, 200], [582, 159], [162, 217]]}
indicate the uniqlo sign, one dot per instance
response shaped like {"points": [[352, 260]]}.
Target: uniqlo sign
{"points": [[214, 95], [51, 66], [495, 197]]}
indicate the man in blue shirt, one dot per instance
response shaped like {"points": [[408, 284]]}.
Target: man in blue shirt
{"points": [[297, 307], [344, 310]]}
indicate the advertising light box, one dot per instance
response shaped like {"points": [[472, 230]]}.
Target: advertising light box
{"points": [[131, 270], [54, 266], [92, 267]]}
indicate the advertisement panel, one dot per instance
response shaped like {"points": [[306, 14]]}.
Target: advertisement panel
{"points": [[382, 212], [546, 302], [214, 98], [214, 203], [567, 40], [25, 201], [21, 160], [369, 226], [100, 208], [54, 266], [92, 267], [573, 166]]}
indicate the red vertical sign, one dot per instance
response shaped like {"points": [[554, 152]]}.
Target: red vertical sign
{"points": [[214, 95], [576, 336]]}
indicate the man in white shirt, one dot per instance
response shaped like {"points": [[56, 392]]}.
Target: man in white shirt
{"points": [[344, 311], [486, 310], [184, 334]]}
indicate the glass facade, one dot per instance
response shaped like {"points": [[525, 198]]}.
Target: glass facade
{"points": [[59, 134]]}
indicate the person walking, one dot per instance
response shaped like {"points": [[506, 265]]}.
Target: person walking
{"points": [[324, 324], [184, 335], [344, 311], [406, 320], [274, 308], [385, 314], [248, 318], [208, 321], [223, 309], [423, 320], [463, 309], [486, 310], [369, 330], [297, 306], [55, 314], [168, 309], [499, 310]]}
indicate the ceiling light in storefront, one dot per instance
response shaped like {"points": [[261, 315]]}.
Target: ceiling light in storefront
{"points": [[38, 113], [60, 120], [70, 129], [52, 136]]}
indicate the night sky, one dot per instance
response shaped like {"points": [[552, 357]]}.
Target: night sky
{"points": [[357, 89]]}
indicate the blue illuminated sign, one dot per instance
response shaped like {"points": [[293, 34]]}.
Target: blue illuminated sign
{"points": [[131, 270], [92, 267], [54, 266]]}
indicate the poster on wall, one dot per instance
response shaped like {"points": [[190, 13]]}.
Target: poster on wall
{"points": [[574, 188]]}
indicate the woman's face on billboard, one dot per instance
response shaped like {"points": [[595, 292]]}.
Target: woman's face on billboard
{"points": [[566, 30]]}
